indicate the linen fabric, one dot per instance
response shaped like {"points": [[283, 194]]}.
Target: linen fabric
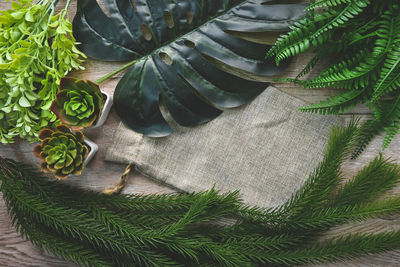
{"points": [[265, 149]]}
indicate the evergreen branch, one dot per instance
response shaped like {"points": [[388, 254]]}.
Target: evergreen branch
{"points": [[328, 217], [167, 207], [371, 182], [62, 247], [209, 228], [326, 177], [162, 237], [76, 225], [368, 130], [260, 242], [338, 250], [88, 201]]}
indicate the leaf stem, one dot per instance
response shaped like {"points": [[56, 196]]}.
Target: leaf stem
{"points": [[111, 74], [67, 4]]}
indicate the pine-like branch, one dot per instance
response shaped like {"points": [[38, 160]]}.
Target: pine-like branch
{"points": [[371, 182], [339, 249], [206, 229], [326, 218], [327, 175]]}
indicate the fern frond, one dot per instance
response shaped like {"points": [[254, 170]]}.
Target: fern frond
{"points": [[392, 126], [310, 65], [391, 79], [363, 39], [390, 133], [341, 102], [348, 63], [387, 118], [327, 3], [294, 42], [352, 9], [390, 74], [306, 31], [342, 77]]}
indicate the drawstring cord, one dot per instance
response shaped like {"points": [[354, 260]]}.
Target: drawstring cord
{"points": [[122, 183]]}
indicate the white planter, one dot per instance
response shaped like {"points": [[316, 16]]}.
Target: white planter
{"points": [[104, 113], [93, 148]]}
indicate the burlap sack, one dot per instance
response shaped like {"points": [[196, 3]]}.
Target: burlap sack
{"points": [[266, 150]]}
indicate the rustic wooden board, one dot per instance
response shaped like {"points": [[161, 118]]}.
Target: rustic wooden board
{"points": [[14, 251]]}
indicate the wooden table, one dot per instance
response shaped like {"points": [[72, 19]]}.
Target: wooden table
{"points": [[99, 174]]}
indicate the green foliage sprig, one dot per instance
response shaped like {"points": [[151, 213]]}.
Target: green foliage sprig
{"points": [[37, 49], [93, 229], [363, 39]]}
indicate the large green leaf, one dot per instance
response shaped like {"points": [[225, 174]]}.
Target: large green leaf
{"points": [[177, 44]]}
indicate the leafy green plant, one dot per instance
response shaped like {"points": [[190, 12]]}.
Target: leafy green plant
{"points": [[61, 152], [363, 39], [177, 51], [94, 229], [78, 104], [37, 49]]}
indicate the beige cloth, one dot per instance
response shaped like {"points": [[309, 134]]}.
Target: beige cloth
{"points": [[265, 149]]}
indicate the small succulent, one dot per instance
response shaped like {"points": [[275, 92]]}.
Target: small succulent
{"points": [[78, 104], [61, 152]]}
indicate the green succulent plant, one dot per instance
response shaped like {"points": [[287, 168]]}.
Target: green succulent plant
{"points": [[78, 104], [61, 151]]}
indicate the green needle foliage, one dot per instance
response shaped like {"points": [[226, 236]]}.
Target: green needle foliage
{"points": [[209, 228], [362, 39], [37, 49]]}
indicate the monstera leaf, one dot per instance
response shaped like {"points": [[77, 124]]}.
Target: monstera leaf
{"points": [[180, 46]]}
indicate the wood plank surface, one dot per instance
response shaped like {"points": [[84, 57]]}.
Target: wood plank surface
{"points": [[99, 174]]}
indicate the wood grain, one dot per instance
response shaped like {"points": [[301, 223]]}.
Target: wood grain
{"points": [[14, 251]]}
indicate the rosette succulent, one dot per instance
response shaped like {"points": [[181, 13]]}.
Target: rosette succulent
{"points": [[61, 152], [78, 104]]}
